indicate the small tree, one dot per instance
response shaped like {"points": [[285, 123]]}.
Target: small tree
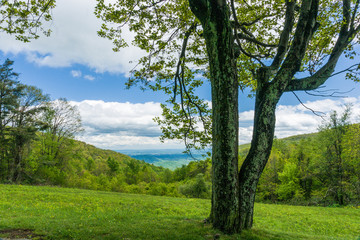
{"points": [[196, 188], [63, 122], [24, 125], [334, 167], [10, 91], [351, 152], [113, 165], [131, 171]]}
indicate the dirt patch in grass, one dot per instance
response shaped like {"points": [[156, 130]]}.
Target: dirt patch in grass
{"points": [[19, 234]]}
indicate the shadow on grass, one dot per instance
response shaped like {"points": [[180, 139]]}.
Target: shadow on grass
{"points": [[20, 234], [256, 234]]}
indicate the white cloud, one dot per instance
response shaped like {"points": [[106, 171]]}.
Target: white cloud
{"points": [[79, 74], [115, 125], [89, 77], [296, 119], [76, 74], [293, 120], [74, 40], [245, 134], [246, 116]]}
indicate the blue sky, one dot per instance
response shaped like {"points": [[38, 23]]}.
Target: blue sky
{"points": [[79, 82], [77, 64]]}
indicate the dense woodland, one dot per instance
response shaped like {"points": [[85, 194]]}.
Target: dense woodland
{"points": [[38, 147]]}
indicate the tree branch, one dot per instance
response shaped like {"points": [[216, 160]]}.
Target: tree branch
{"points": [[305, 28], [254, 40], [316, 80], [200, 9], [257, 58], [324, 93], [250, 23], [317, 113], [180, 82], [285, 35], [182, 56], [352, 26]]}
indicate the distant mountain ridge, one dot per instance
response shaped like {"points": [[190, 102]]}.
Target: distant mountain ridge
{"points": [[168, 158], [175, 158]]}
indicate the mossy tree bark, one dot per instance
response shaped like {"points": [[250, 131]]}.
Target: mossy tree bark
{"points": [[254, 164], [214, 17]]}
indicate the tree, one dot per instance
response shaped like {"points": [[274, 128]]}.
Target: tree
{"points": [[334, 167], [113, 165], [55, 148], [273, 46], [305, 154], [19, 107], [24, 125], [131, 171], [351, 143], [195, 188], [10, 91], [24, 18], [63, 122]]}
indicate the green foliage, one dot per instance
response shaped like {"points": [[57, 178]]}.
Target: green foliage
{"points": [[10, 91], [37, 148], [289, 183], [24, 19], [19, 107], [113, 165], [296, 172], [318, 169], [158, 35], [196, 188], [333, 164]]}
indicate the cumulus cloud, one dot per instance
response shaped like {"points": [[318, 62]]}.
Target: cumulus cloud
{"points": [[75, 73], [79, 74], [74, 40], [89, 77], [115, 125], [296, 119]]}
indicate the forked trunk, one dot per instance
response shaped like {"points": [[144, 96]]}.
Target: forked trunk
{"points": [[254, 164]]}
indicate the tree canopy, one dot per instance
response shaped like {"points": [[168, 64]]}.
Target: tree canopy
{"points": [[264, 37], [271, 46]]}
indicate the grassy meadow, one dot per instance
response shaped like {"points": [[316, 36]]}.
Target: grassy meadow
{"points": [[65, 213]]}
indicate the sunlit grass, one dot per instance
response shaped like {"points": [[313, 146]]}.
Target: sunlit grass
{"points": [[62, 213]]}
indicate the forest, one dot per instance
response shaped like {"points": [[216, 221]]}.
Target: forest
{"points": [[38, 147]]}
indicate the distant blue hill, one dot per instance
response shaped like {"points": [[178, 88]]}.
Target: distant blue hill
{"points": [[168, 158]]}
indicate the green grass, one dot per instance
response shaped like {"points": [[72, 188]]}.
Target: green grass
{"points": [[62, 213]]}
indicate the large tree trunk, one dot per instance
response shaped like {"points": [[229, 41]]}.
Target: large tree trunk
{"points": [[225, 153], [214, 16], [225, 133], [264, 125]]}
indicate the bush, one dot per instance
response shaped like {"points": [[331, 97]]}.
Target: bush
{"points": [[196, 188]]}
